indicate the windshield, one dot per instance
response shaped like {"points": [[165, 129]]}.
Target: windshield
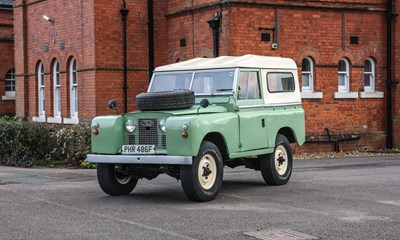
{"points": [[204, 82]]}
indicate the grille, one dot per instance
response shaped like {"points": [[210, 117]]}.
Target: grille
{"points": [[131, 140], [148, 132]]}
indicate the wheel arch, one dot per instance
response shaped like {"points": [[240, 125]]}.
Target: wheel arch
{"points": [[288, 133], [218, 139]]}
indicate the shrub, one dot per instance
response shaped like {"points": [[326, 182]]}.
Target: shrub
{"points": [[29, 144]]}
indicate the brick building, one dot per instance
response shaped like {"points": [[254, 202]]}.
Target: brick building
{"points": [[7, 79], [69, 55]]}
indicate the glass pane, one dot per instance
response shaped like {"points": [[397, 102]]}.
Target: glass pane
{"points": [[342, 80], [368, 66], [253, 87], [305, 65], [305, 80], [280, 82], [169, 82], [342, 66], [213, 82], [74, 77], [367, 80]]}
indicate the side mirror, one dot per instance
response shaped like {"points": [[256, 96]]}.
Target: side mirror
{"points": [[204, 103], [112, 104]]}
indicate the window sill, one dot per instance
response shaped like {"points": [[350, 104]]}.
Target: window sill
{"points": [[54, 120], [38, 119], [371, 94], [8, 98], [71, 120], [346, 95], [311, 95]]}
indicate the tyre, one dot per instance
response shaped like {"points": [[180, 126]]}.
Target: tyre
{"points": [[202, 180], [276, 167], [113, 182], [168, 100]]}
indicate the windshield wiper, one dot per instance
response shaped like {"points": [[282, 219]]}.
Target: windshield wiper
{"points": [[224, 89]]}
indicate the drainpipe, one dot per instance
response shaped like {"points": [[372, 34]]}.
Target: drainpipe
{"points": [[124, 13], [214, 24], [389, 82], [150, 23]]}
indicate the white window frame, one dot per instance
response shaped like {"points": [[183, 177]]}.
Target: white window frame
{"points": [[10, 82], [310, 87], [370, 88], [73, 75], [57, 89], [41, 91], [346, 86]]}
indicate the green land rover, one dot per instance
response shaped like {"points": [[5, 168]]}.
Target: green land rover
{"points": [[199, 116]]}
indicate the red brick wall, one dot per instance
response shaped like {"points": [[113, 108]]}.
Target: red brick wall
{"points": [[7, 107]]}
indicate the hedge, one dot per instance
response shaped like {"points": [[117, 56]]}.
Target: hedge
{"points": [[27, 144]]}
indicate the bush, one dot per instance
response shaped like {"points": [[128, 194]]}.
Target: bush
{"points": [[29, 144]]}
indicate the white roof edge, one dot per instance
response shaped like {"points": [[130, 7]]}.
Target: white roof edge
{"points": [[245, 61]]}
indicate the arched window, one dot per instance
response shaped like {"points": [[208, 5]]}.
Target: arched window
{"points": [[73, 81], [10, 83], [343, 75], [41, 94], [369, 75], [307, 75], [57, 89]]}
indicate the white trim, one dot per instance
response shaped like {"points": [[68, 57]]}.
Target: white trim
{"points": [[310, 87], [71, 120], [38, 119], [346, 95], [370, 88], [371, 94], [346, 74], [56, 90], [54, 120], [41, 89], [311, 95], [73, 89], [7, 98]]}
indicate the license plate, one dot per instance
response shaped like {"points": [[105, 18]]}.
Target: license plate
{"points": [[138, 149]]}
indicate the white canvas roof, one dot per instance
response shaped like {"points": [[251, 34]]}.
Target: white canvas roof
{"points": [[246, 61]]}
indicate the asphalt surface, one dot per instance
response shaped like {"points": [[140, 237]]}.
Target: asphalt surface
{"points": [[357, 198]]}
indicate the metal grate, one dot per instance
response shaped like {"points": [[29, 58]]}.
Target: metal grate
{"points": [[164, 141], [148, 134], [131, 140]]}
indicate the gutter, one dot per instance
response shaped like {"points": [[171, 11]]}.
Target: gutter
{"points": [[150, 23], [389, 81], [124, 12]]}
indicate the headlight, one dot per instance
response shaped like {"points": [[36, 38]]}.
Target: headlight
{"points": [[162, 124], [130, 125]]}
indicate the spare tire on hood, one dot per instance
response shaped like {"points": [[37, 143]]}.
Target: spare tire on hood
{"points": [[167, 100]]}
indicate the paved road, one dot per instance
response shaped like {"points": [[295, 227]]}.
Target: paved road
{"points": [[325, 199]]}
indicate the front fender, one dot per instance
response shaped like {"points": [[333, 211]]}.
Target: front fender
{"points": [[110, 134]]}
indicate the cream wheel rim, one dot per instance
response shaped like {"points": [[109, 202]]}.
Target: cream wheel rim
{"points": [[207, 172], [122, 178], [281, 160]]}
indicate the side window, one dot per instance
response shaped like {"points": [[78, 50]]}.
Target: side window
{"points": [[249, 87], [41, 92], [343, 75], [307, 76], [57, 89], [369, 75], [73, 75], [280, 82], [10, 83]]}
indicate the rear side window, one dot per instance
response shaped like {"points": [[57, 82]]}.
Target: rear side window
{"points": [[280, 82]]}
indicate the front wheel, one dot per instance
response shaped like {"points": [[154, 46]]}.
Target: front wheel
{"points": [[276, 167], [202, 180], [114, 182]]}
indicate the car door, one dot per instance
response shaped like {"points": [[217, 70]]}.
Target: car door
{"points": [[253, 130]]}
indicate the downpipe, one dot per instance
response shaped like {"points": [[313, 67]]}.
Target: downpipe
{"points": [[124, 12], [389, 81]]}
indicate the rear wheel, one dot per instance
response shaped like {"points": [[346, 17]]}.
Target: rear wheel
{"points": [[114, 182], [202, 180], [276, 168]]}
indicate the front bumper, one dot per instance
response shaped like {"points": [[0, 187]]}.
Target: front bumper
{"points": [[140, 159]]}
